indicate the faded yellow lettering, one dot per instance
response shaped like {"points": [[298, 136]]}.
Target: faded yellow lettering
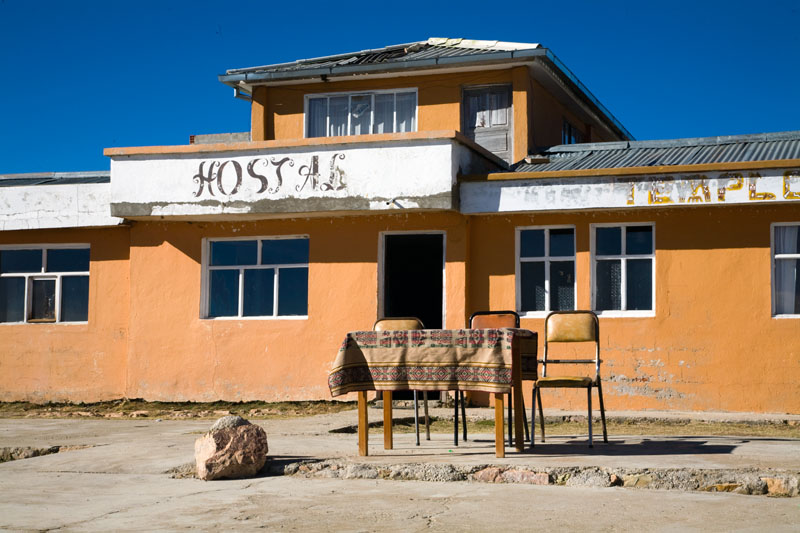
{"points": [[630, 196], [754, 195], [789, 194], [699, 189], [656, 195], [738, 183]]}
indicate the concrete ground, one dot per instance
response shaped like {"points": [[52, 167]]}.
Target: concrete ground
{"points": [[120, 481]]}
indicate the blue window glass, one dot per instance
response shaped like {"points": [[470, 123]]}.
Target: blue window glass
{"points": [[639, 239], [562, 242], [562, 285], [531, 243], [68, 260], [532, 297], [639, 284], [233, 253], [609, 241], [12, 299], [43, 300], [284, 251], [223, 293], [74, 298], [12, 261], [259, 292], [293, 291], [609, 281]]}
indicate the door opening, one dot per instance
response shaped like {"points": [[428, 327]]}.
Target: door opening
{"points": [[413, 277]]}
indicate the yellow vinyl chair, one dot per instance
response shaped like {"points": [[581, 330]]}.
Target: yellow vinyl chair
{"points": [[408, 323], [485, 320], [568, 327]]}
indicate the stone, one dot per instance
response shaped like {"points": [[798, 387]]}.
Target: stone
{"points": [[615, 480], [229, 421], [487, 475], [231, 452], [781, 486], [514, 475], [638, 481]]}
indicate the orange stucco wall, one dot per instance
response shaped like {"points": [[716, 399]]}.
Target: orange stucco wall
{"points": [[712, 344], [75, 362], [277, 112], [174, 354]]}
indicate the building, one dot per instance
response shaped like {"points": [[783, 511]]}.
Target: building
{"points": [[431, 179]]}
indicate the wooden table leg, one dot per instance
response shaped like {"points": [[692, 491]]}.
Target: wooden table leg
{"points": [[363, 424], [499, 426], [387, 420]]}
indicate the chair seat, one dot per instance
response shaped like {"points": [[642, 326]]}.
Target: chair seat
{"points": [[564, 381]]}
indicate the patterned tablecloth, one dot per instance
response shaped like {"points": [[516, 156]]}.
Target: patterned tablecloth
{"points": [[431, 359]]}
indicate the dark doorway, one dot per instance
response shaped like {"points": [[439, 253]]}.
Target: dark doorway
{"points": [[413, 270]]}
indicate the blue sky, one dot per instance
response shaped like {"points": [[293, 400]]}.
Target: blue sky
{"points": [[79, 76]]}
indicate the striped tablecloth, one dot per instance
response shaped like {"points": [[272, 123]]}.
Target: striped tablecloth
{"points": [[431, 359]]}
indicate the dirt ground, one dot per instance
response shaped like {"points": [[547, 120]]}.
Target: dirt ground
{"points": [[565, 425]]}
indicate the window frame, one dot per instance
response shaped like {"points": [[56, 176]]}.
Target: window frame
{"points": [[207, 269], [570, 134], [350, 95], [44, 275], [547, 258], [773, 258], [623, 257]]}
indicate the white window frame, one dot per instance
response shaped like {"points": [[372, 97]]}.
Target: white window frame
{"points": [[44, 275], [382, 269], [207, 268], [546, 259], [350, 95], [773, 258], [623, 257]]}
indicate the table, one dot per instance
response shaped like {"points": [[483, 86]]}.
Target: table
{"points": [[488, 360]]}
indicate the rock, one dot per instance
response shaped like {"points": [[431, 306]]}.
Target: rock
{"points": [[638, 481], [230, 421], [514, 475], [781, 486], [231, 452], [487, 475]]}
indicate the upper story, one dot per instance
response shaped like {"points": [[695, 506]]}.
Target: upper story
{"points": [[510, 98]]}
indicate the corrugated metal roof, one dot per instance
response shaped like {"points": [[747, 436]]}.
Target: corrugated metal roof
{"points": [[734, 148], [433, 48], [54, 178]]}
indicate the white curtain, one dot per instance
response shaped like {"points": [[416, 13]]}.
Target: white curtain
{"points": [[787, 296], [337, 116], [384, 113], [317, 116], [406, 112]]}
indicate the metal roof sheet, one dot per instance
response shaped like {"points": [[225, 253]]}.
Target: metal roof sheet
{"points": [[433, 48], [54, 178], [671, 152]]}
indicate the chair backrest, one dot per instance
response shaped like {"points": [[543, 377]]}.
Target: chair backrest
{"points": [[494, 319], [398, 323], [571, 326]]}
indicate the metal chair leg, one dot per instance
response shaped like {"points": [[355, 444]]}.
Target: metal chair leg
{"points": [[455, 418], [602, 411], [589, 401], [510, 423], [541, 412], [416, 416], [525, 420], [427, 418], [533, 415], [463, 414]]}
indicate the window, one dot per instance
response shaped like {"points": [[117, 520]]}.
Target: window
{"points": [[546, 269], [43, 284], [570, 134], [361, 113], [624, 267], [786, 269], [487, 116], [257, 277]]}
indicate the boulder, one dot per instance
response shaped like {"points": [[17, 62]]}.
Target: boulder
{"points": [[231, 452]]}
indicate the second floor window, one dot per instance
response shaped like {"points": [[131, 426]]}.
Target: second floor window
{"points": [[361, 113], [570, 134]]}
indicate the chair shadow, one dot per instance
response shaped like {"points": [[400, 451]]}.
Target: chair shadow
{"points": [[645, 446]]}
